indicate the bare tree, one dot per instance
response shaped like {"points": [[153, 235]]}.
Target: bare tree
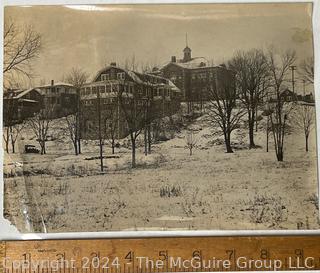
{"points": [[304, 119], [223, 110], [8, 120], [279, 66], [77, 77], [40, 124], [111, 124], [133, 109], [191, 141], [6, 138], [21, 46], [251, 79], [72, 131], [15, 132], [307, 73]]}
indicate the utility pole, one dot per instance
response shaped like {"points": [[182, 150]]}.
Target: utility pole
{"points": [[99, 125], [293, 69], [304, 88]]}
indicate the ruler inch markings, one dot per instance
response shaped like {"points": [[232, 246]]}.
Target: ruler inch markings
{"points": [[294, 252]]}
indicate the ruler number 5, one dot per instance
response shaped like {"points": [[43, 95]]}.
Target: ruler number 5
{"points": [[163, 255]]}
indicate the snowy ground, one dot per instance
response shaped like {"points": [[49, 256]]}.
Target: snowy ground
{"points": [[169, 189]]}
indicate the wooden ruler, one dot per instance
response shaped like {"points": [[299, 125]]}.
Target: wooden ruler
{"points": [[185, 254]]}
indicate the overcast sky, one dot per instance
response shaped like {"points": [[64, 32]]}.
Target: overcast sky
{"points": [[92, 36]]}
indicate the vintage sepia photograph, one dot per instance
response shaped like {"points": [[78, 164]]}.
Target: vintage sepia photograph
{"points": [[159, 117]]}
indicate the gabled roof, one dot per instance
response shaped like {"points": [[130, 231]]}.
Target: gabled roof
{"points": [[25, 92], [132, 74], [17, 94], [136, 76], [196, 62]]}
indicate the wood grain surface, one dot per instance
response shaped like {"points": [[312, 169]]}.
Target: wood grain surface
{"points": [[189, 254]]}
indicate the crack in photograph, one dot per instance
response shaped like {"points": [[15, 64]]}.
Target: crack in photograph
{"points": [[159, 117]]}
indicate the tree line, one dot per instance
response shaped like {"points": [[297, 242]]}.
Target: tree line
{"points": [[258, 76], [260, 79]]}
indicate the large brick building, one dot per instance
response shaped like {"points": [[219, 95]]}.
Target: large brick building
{"points": [[113, 87], [195, 76]]}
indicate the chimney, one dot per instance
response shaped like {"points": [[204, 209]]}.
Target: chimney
{"points": [[52, 82], [113, 64], [173, 59]]}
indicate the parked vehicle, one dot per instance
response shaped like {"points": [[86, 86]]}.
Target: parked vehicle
{"points": [[31, 149]]}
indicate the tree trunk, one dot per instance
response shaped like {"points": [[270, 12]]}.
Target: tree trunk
{"points": [[112, 146], [7, 146], [78, 123], [145, 141], [255, 119], [79, 145], [43, 147], [251, 130], [13, 147], [307, 145], [149, 139], [267, 134], [7, 140], [251, 135], [133, 154], [227, 141], [279, 153], [75, 147], [190, 151]]}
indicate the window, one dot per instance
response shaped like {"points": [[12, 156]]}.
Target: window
{"points": [[88, 90], [105, 77], [120, 76], [94, 90], [102, 89], [108, 88]]}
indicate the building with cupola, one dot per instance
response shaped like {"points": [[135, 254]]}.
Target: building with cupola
{"points": [[194, 76]]}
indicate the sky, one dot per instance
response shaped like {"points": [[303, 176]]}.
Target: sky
{"points": [[90, 37]]}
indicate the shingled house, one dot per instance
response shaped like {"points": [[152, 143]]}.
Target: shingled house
{"points": [[160, 95], [19, 105]]}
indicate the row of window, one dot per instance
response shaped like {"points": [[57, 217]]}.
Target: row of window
{"points": [[127, 89], [107, 77], [59, 90], [202, 76], [56, 100], [109, 101], [104, 89], [103, 101]]}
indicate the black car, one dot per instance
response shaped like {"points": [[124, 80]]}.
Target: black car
{"points": [[31, 149]]}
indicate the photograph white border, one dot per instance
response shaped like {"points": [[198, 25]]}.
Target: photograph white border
{"points": [[8, 232]]}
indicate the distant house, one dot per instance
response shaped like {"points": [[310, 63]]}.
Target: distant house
{"points": [[60, 98], [19, 105], [288, 96], [306, 98], [160, 95], [194, 76]]}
